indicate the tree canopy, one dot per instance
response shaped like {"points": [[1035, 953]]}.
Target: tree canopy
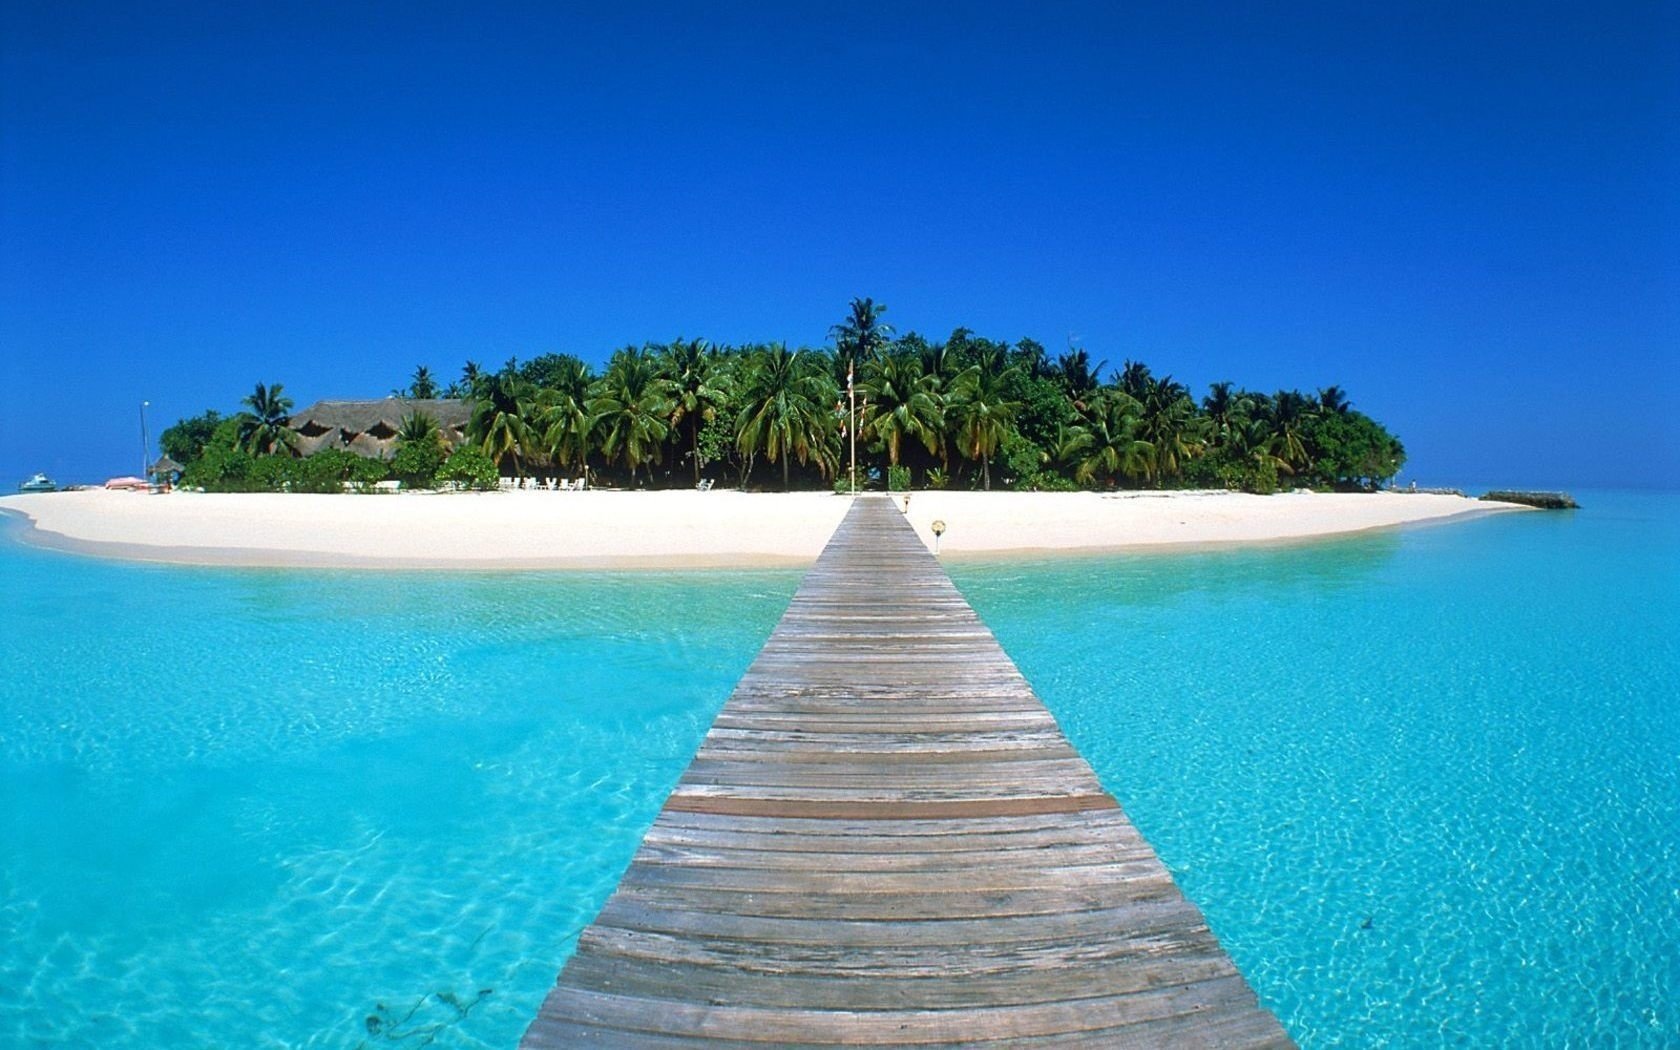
{"points": [[966, 411]]}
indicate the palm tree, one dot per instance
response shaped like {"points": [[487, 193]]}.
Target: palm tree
{"points": [[500, 425], [1166, 420], [631, 409], [421, 385], [786, 415], [697, 389], [981, 409], [463, 386], [417, 429], [903, 402], [564, 427], [1079, 379], [1106, 444], [1226, 412], [860, 337], [1286, 422], [1333, 400], [264, 429], [1135, 379]]}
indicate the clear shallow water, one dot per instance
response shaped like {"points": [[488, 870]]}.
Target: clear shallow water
{"points": [[1424, 784], [258, 808], [248, 808]]}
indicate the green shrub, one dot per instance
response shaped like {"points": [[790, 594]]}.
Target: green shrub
{"points": [[1047, 481], [417, 463], [367, 471], [1019, 458], [329, 469], [898, 478], [470, 467], [222, 466], [186, 441], [271, 473], [937, 478]]}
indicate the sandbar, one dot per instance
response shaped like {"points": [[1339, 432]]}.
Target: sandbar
{"points": [[673, 529]]}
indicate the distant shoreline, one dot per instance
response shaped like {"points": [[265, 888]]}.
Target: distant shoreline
{"points": [[677, 530]]}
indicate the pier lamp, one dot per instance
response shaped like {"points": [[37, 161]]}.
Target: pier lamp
{"points": [[938, 531]]}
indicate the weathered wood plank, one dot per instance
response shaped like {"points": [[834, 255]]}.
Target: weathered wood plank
{"points": [[886, 840]]}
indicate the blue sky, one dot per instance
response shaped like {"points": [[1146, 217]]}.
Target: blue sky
{"points": [[1465, 217]]}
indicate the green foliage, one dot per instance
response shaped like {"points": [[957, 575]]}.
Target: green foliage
{"points": [[860, 337], [716, 440], [420, 385], [786, 413], [416, 463], [561, 372], [1020, 458], [330, 469], [632, 409], [1046, 481], [263, 429], [223, 465], [420, 452], [470, 466], [504, 410], [698, 385], [270, 474], [898, 478], [953, 411], [904, 404], [1350, 449], [185, 441]]}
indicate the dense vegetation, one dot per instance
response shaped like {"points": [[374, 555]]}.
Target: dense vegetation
{"points": [[966, 412]]}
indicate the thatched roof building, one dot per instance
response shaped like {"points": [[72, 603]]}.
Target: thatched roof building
{"points": [[369, 428]]}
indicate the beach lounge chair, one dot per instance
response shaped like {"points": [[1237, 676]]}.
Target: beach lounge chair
{"points": [[705, 485]]}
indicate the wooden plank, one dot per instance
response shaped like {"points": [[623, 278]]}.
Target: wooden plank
{"points": [[886, 840]]}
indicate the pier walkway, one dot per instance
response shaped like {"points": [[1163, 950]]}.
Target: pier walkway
{"points": [[886, 840]]}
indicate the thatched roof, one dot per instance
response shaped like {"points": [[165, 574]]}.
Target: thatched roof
{"points": [[369, 428], [166, 466]]}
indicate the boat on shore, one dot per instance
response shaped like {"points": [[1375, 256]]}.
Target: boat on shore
{"points": [[39, 483]]}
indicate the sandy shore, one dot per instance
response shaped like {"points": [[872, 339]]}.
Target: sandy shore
{"points": [[514, 530]]}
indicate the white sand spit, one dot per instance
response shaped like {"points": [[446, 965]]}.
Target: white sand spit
{"points": [[604, 529]]}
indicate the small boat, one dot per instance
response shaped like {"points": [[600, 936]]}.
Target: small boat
{"points": [[39, 483]]}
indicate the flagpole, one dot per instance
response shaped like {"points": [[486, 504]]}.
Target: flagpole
{"points": [[851, 395]]}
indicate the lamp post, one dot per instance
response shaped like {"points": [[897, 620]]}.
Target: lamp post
{"points": [[145, 442]]}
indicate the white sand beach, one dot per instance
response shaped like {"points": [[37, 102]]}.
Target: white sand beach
{"points": [[673, 529]]}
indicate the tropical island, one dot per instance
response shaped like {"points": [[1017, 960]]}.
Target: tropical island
{"points": [[963, 413], [699, 455]]}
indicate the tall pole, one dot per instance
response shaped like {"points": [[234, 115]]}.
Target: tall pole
{"points": [[145, 442], [851, 395]]}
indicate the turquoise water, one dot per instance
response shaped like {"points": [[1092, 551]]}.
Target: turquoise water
{"points": [[257, 809], [1425, 784]]}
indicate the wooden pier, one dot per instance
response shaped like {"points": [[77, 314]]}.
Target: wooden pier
{"points": [[885, 839]]}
